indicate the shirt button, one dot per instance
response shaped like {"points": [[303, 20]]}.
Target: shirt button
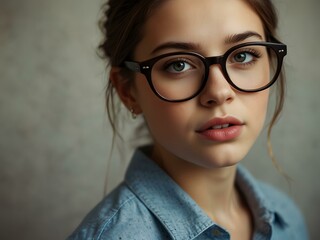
{"points": [[216, 232]]}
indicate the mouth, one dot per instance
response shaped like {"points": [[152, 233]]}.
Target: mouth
{"points": [[221, 129], [221, 126], [221, 123]]}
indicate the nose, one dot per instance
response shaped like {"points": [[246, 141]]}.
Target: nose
{"points": [[217, 90]]}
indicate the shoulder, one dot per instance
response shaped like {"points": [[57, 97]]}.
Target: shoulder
{"points": [[286, 208], [121, 215]]}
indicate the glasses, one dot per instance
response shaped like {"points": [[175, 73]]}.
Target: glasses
{"points": [[180, 76]]}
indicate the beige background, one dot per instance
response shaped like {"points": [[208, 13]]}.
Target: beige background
{"points": [[54, 137]]}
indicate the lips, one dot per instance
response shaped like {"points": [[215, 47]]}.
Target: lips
{"points": [[221, 129]]}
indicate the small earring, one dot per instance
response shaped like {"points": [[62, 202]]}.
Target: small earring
{"points": [[133, 114]]}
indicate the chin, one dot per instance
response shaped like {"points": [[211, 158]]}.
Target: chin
{"points": [[218, 162], [224, 164], [223, 157]]}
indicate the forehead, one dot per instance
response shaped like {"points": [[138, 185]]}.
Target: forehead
{"points": [[203, 22]]}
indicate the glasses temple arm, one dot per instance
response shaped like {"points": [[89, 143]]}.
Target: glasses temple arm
{"points": [[133, 66]]}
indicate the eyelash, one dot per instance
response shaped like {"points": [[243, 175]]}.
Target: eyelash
{"points": [[256, 54]]}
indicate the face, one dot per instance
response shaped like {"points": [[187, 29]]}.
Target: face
{"points": [[218, 127]]}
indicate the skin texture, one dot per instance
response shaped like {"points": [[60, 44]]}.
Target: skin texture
{"points": [[203, 168]]}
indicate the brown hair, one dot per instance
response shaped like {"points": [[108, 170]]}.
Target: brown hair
{"points": [[122, 27]]}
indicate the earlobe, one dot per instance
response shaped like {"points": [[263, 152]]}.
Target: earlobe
{"points": [[124, 89]]}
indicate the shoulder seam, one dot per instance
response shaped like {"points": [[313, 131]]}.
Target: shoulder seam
{"points": [[109, 219]]}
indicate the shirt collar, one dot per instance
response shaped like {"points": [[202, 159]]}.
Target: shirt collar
{"points": [[179, 214], [263, 208]]}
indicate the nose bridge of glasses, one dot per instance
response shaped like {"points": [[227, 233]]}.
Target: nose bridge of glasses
{"points": [[215, 60], [216, 69]]}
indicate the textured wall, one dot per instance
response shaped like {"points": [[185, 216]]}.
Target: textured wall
{"points": [[54, 137]]}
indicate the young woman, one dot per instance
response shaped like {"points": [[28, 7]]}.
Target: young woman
{"points": [[199, 73]]}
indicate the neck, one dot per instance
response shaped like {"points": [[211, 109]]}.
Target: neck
{"points": [[212, 189]]}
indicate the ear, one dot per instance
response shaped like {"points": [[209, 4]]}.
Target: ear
{"points": [[125, 89]]}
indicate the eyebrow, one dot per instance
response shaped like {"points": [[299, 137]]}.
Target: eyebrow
{"points": [[235, 38], [176, 45], [188, 46]]}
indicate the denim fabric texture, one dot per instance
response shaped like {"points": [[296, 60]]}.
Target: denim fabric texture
{"points": [[149, 205]]}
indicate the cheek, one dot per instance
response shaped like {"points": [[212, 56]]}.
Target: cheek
{"points": [[155, 110], [165, 119], [257, 104], [262, 101], [152, 107]]}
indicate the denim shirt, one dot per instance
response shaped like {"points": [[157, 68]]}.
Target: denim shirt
{"points": [[149, 205]]}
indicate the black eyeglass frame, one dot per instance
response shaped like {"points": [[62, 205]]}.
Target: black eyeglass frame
{"points": [[145, 67]]}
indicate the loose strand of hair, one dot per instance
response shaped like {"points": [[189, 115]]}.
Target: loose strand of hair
{"points": [[277, 112]]}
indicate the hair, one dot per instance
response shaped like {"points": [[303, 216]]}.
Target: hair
{"points": [[122, 26]]}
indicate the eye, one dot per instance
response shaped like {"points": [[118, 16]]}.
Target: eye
{"points": [[178, 66], [245, 56]]}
